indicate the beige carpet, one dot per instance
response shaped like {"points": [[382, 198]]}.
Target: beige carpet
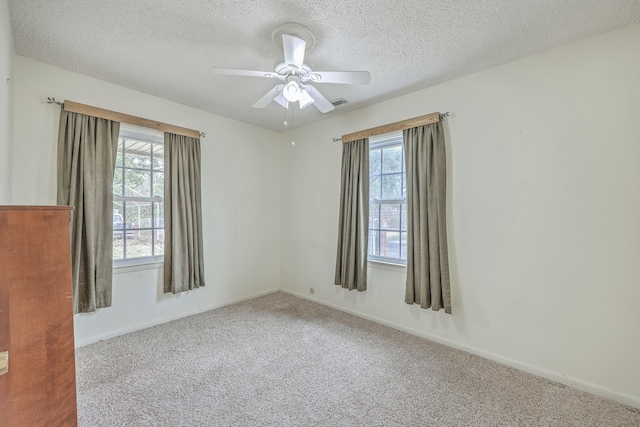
{"points": [[282, 361]]}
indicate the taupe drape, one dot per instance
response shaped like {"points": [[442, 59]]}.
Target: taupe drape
{"points": [[353, 233], [87, 149], [427, 254], [183, 258]]}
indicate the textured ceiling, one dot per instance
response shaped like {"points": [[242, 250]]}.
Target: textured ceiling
{"points": [[167, 48]]}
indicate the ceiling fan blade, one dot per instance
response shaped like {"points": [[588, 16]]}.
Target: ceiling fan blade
{"points": [[319, 101], [246, 73], [270, 96], [344, 77], [280, 99], [293, 50]]}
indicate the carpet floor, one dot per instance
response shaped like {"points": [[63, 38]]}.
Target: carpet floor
{"points": [[279, 360]]}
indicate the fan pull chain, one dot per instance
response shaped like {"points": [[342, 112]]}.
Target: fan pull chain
{"points": [[293, 125]]}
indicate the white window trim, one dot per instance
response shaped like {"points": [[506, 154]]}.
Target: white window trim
{"points": [[386, 265], [137, 264]]}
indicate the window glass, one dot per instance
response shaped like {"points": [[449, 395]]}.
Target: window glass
{"points": [[392, 186], [392, 159], [138, 191], [387, 194]]}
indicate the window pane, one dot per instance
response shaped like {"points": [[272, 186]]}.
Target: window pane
{"points": [[158, 212], [137, 154], [403, 246], [403, 217], [117, 181], [158, 157], [118, 246], [374, 243], [390, 217], [158, 184], [391, 186], [138, 221], [374, 162], [390, 244], [392, 159], [140, 245], [138, 214], [404, 186], [387, 220], [374, 188], [119, 154], [158, 225], [159, 242], [137, 183], [374, 217], [118, 223]]}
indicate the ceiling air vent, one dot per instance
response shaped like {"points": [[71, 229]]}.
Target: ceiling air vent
{"points": [[338, 101]]}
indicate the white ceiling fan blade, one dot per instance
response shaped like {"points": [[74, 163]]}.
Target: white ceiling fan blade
{"points": [[270, 96], [246, 73], [320, 101], [280, 99], [344, 77], [293, 50]]}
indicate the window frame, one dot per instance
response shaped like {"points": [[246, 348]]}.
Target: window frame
{"points": [[381, 142], [153, 137]]}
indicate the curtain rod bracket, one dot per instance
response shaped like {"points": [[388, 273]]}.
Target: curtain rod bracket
{"points": [[443, 115], [52, 100], [203, 134], [336, 139]]}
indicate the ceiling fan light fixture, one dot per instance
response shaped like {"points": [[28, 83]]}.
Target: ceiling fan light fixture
{"points": [[305, 99], [291, 91]]}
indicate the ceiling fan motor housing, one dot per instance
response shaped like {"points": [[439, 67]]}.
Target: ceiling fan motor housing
{"points": [[293, 29]]}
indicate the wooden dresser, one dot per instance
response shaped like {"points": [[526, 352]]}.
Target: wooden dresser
{"points": [[36, 317]]}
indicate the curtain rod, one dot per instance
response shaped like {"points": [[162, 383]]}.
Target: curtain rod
{"points": [[76, 107], [401, 125]]}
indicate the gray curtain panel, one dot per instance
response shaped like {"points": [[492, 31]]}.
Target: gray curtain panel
{"points": [[87, 149], [183, 257], [353, 226], [427, 253]]}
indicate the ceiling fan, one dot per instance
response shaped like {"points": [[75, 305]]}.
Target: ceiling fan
{"points": [[296, 76]]}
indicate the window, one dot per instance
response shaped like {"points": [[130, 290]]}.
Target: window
{"points": [[138, 192], [387, 199]]}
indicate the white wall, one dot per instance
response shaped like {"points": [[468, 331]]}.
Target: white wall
{"points": [[544, 214], [240, 196], [6, 56], [544, 201]]}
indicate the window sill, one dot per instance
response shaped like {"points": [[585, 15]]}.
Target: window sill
{"points": [[129, 266], [387, 265]]}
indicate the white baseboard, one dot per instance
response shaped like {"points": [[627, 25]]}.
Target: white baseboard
{"points": [[161, 320], [579, 384]]}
